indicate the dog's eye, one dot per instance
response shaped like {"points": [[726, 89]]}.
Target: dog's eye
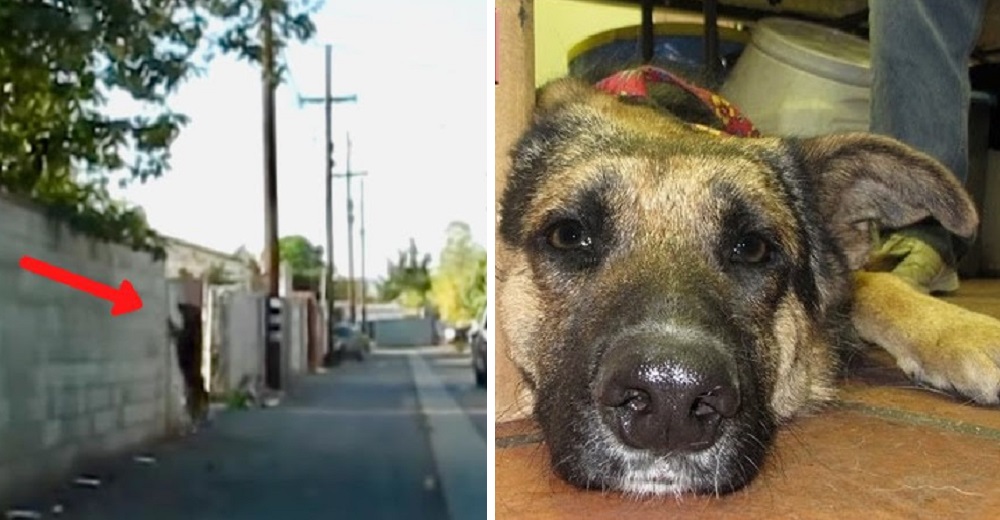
{"points": [[751, 249], [568, 234]]}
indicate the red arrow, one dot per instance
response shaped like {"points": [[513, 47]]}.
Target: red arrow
{"points": [[125, 298]]}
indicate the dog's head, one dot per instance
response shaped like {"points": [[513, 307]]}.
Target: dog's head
{"points": [[671, 294]]}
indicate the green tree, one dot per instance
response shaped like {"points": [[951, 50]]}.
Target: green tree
{"points": [[305, 261], [341, 287], [408, 281], [59, 62], [302, 256], [217, 275], [455, 286], [475, 293]]}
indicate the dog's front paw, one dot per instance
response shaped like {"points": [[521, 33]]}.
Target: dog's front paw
{"points": [[964, 355], [934, 342]]}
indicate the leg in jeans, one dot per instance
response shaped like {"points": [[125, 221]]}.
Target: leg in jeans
{"points": [[920, 95]]}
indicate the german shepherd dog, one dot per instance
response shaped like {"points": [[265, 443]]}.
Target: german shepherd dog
{"points": [[671, 294]]}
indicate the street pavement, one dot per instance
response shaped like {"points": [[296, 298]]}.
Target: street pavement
{"points": [[455, 372], [401, 435]]}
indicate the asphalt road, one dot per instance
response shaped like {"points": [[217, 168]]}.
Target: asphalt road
{"points": [[455, 371], [401, 435]]}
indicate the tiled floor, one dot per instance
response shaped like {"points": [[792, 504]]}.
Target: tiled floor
{"points": [[885, 450]]}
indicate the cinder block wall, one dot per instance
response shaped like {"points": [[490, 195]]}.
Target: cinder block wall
{"points": [[242, 347], [75, 382], [297, 334], [241, 350]]}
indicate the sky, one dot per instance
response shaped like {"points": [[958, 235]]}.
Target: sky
{"points": [[418, 129]]}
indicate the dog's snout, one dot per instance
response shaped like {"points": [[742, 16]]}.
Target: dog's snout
{"points": [[666, 396]]}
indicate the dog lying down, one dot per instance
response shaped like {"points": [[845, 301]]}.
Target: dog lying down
{"points": [[672, 294]]}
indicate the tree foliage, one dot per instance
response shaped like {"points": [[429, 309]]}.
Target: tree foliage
{"points": [[408, 281], [475, 294], [218, 275], [305, 261], [302, 256], [341, 289], [61, 60], [458, 291]]}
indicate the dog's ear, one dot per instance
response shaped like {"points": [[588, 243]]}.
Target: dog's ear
{"points": [[867, 180], [557, 93]]}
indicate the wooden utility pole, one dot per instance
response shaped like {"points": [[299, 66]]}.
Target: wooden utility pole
{"points": [[272, 351], [328, 100], [348, 175], [330, 275], [364, 283]]}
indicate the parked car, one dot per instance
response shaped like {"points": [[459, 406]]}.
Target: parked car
{"points": [[478, 344], [348, 341]]}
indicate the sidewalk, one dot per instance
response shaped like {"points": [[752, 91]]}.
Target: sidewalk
{"points": [[351, 443]]}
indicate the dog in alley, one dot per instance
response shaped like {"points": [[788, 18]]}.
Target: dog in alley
{"points": [[673, 291]]}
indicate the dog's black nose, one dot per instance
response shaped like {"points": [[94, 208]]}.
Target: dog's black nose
{"points": [[666, 396]]}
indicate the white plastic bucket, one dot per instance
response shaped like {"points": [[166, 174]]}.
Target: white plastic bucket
{"points": [[801, 79]]}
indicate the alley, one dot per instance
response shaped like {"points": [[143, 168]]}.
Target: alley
{"points": [[400, 435]]}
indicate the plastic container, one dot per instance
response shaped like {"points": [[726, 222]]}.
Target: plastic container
{"points": [[802, 79], [678, 47]]}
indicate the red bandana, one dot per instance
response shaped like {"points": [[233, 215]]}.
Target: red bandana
{"points": [[632, 82]]}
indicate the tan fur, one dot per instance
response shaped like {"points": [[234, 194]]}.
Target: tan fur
{"points": [[519, 308], [933, 341], [667, 195], [853, 214], [801, 382], [876, 181]]}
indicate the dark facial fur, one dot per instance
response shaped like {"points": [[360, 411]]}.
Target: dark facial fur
{"points": [[664, 210], [639, 245]]}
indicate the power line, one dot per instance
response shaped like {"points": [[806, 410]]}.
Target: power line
{"points": [[328, 100], [348, 175]]}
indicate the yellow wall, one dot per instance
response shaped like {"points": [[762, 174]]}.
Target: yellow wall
{"points": [[561, 24]]}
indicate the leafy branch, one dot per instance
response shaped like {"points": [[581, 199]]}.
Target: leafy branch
{"points": [[60, 61]]}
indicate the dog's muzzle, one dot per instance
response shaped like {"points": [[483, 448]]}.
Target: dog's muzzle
{"points": [[667, 392]]}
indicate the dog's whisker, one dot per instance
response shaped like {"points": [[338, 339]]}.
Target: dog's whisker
{"points": [[718, 471]]}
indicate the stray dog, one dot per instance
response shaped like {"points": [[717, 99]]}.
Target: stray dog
{"points": [[671, 294], [188, 339]]}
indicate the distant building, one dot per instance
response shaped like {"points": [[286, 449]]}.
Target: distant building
{"points": [[186, 259], [375, 311]]}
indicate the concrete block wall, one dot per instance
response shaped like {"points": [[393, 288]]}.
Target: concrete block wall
{"points": [[75, 382], [198, 260], [296, 311], [241, 349], [240, 340]]}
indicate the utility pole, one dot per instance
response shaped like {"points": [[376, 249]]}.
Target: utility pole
{"points": [[328, 100], [364, 284], [328, 116], [351, 292], [272, 350], [350, 236]]}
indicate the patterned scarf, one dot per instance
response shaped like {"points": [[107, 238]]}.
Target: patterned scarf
{"points": [[632, 83]]}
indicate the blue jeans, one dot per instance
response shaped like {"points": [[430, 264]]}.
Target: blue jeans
{"points": [[920, 83]]}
